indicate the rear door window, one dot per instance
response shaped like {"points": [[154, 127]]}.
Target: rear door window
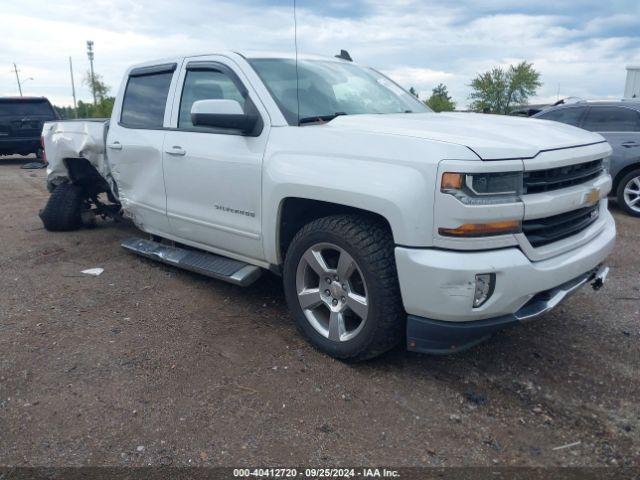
{"points": [[21, 108], [145, 99], [570, 116], [612, 119]]}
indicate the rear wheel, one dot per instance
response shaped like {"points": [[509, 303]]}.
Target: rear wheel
{"points": [[629, 193], [341, 285], [63, 211]]}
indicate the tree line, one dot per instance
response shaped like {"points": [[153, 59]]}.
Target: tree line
{"points": [[495, 91]]}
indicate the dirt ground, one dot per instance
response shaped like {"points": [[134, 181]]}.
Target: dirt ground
{"points": [[149, 365]]}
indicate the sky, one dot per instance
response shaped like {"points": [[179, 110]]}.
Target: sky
{"points": [[580, 47]]}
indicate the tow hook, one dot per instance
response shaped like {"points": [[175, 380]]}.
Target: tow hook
{"points": [[599, 278]]}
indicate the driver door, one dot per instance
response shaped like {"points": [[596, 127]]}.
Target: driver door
{"points": [[213, 175]]}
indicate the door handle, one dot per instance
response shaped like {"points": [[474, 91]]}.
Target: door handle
{"points": [[176, 150], [115, 146], [630, 144]]}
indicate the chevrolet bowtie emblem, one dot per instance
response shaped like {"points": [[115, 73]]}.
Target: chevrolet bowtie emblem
{"points": [[592, 197]]}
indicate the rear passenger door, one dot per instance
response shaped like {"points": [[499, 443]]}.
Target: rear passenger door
{"points": [[135, 144], [212, 175], [621, 127]]}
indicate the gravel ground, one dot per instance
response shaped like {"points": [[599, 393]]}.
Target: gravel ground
{"points": [[149, 365]]}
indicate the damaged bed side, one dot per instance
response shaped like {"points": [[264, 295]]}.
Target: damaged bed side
{"points": [[78, 175]]}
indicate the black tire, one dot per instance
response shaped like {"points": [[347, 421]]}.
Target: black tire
{"points": [[63, 210], [622, 202], [370, 244]]}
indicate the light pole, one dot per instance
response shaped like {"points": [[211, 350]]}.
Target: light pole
{"points": [[15, 69], [73, 89], [93, 79], [20, 82]]}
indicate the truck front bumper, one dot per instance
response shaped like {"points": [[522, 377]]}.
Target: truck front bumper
{"points": [[438, 287]]}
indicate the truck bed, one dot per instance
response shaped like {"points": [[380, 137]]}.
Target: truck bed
{"points": [[73, 139]]}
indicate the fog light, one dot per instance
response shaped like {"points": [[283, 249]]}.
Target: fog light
{"points": [[485, 283]]}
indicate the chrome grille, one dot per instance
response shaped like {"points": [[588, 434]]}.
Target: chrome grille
{"points": [[542, 231], [538, 181]]}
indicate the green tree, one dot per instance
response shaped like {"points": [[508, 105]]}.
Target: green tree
{"points": [[104, 103], [103, 106], [497, 90], [96, 85], [440, 100]]}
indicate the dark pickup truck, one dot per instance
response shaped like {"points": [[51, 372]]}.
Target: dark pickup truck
{"points": [[21, 120]]}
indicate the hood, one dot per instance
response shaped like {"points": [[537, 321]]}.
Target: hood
{"points": [[491, 137]]}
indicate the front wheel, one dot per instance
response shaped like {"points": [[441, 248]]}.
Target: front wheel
{"points": [[628, 194], [341, 285]]}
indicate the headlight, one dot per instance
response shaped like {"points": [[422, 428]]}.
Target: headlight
{"points": [[606, 164], [483, 188]]}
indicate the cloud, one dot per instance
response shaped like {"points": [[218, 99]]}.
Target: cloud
{"points": [[422, 79], [582, 47]]}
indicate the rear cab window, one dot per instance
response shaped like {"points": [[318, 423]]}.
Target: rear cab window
{"points": [[145, 97], [26, 108]]}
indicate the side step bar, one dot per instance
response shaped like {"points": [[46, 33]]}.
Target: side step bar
{"points": [[209, 264]]}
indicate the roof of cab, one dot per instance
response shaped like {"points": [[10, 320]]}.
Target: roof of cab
{"points": [[247, 55]]}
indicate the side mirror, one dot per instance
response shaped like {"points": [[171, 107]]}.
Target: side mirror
{"points": [[222, 114]]}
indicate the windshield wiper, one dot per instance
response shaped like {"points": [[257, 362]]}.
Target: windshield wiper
{"points": [[320, 118]]}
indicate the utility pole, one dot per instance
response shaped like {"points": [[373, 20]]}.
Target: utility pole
{"points": [[93, 78], [15, 69], [73, 89]]}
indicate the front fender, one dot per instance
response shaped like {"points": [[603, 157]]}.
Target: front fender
{"points": [[394, 179]]}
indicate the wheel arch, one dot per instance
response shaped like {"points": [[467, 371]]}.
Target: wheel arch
{"points": [[621, 174], [295, 212], [83, 173]]}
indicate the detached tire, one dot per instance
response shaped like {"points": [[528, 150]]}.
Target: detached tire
{"points": [[628, 194], [341, 285], [63, 210]]}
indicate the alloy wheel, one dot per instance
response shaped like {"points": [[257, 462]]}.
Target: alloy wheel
{"points": [[332, 292], [632, 194]]}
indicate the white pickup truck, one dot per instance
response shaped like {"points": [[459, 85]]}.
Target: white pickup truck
{"points": [[386, 221]]}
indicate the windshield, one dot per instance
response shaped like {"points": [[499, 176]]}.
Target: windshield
{"points": [[328, 88], [25, 108]]}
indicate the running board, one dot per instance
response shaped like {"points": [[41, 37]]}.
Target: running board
{"points": [[209, 264]]}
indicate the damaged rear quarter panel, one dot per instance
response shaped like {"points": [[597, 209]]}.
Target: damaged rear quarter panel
{"points": [[64, 140]]}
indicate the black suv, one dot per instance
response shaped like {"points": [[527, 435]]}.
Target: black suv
{"points": [[21, 120], [619, 123]]}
